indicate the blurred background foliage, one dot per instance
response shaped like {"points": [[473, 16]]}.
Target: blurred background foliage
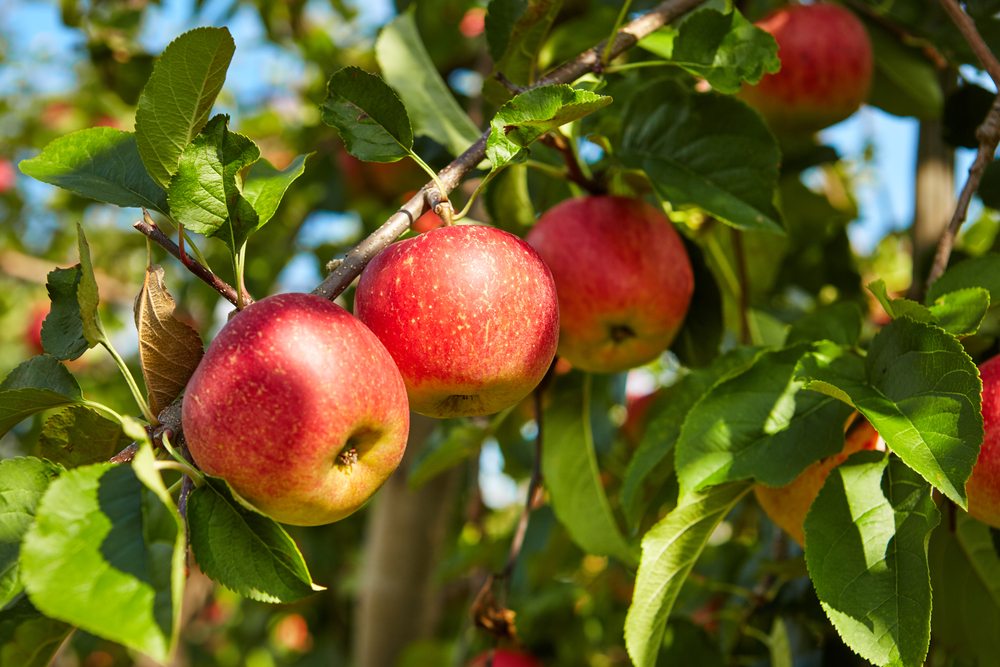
{"points": [[66, 65]]}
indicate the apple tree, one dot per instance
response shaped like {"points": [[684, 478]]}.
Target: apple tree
{"points": [[754, 442]]}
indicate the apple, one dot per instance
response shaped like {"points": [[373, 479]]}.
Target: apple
{"points": [[383, 180], [505, 658], [826, 68], [299, 407], [983, 487], [8, 176], [623, 277], [468, 312], [33, 331], [788, 505]]}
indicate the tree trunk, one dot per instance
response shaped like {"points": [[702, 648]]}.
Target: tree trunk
{"points": [[397, 602]]}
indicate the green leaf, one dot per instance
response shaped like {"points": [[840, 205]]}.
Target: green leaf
{"points": [[454, 441], [866, 548], [665, 427], [723, 49], [965, 576], [669, 551], [905, 81], [920, 391], [530, 115], [177, 100], [22, 483], [698, 341], [265, 185], [62, 330], [245, 551], [839, 322], [407, 67], [370, 117], [86, 293], [42, 372], [976, 272], [508, 201], [573, 478], [206, 192], [962, 311], [708, 149], [27, 638], [99, 163], [779, 646], [501, 17], [900, 307], [519, 44], [79, 436], [759, 423], [87, 559]]}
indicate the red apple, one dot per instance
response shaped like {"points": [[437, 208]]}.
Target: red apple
{"points": [[826, 68], [8, 176], [33, 330], [469, 313], [788, 505], [505, 658], [983, 487], [299, 407], [623, 277]]}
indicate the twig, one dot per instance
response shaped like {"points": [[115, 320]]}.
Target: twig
{"points": [[126, 455], [155, 234], [968, 28], [512, 87], [558, 142], [453, 174], [988, 135]]}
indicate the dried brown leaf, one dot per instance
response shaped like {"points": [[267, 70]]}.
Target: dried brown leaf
{"points": [[169, 350], [487, 613]]}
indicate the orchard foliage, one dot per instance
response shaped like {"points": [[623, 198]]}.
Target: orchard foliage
{"points": [[646, 545]]}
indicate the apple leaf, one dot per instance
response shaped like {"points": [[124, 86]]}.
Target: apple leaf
{"points": [[99, 163], [669, 551], [205, 194], [178, 97], [40, 383], [723, 49], [22, 483], [27, 638], [665, 427], [839, 323], [760, 423], [407, 67], [169, 350], [370, 117], [515, 33], [962, 311], [80, 436], [573, 478], [866, 548], [508, 201], [900, 307], [981, 272], [105, 554], [965, 576], [86, 293], [920, 391], [685, 643], [530, 115], [245, 551], [698, 341], [705, 149], [905, 81], [62, 330], [265, 185]]}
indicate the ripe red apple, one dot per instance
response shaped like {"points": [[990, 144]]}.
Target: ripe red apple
{"points": [[623, 277], [8, 176], [505, 658], [299, 407], [983, 487], [788, 505], [469, 313], [826, 68], [33, 329]]}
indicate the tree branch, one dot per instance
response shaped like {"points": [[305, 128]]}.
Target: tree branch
{"points": [[558, 142], [988, 135], [156, 235], [455, 172]]}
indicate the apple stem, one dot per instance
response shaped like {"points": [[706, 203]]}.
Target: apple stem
{"points": [[574, 171], [744, 282]]}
